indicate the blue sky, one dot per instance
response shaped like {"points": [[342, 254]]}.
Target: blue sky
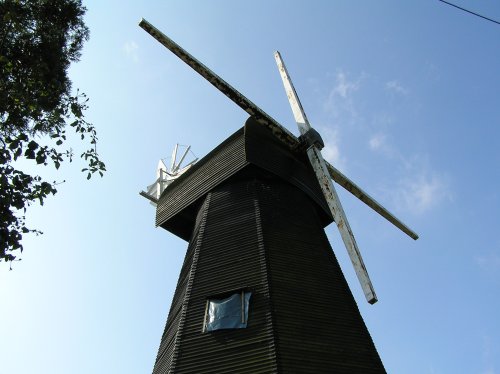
{"points": [[405, 95]]}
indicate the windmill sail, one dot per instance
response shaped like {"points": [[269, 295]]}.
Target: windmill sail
{"points": [[267, 121], [165, 176], [319, 167], [278, 131]]}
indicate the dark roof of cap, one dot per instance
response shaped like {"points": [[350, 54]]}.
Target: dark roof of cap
{"points": [[252, 150]]}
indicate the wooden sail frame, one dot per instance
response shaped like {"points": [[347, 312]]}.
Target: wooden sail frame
{"points": [[324, 171]]}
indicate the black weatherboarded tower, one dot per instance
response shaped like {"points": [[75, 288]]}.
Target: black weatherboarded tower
{"points": [[260, 290], [254, 215]]}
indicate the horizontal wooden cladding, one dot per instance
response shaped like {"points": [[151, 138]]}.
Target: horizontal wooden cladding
{"points": [[264, 235], [223, 162], [167, 350], [318, 327], [230, 256]]}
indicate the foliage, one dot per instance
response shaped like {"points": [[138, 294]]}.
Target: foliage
{"points": [[38, 41]]}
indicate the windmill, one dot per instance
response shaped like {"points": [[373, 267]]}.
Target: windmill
{"points": [[165, 176], [260, 289]]}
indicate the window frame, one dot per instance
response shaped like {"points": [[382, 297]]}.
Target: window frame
{"points": [[244, 308]]}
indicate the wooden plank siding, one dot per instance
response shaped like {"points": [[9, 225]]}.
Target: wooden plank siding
{"points": [[255, 220]]}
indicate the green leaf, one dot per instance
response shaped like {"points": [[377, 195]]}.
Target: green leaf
{"points": [[32, 145], [41, 157], [14, 144], [18, 153], [29, 154]]}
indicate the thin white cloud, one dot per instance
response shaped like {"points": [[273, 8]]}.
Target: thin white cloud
{"points": [[380, 143], [131, 50], [432, 370], [489, 263], [339, 101], [420, 192], [377, 142], [344, 87], [396, 87], [331, 152], [486, 350], [420, 188]]}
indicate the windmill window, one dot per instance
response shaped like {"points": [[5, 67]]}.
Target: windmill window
{"points": [[227, 313]]}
